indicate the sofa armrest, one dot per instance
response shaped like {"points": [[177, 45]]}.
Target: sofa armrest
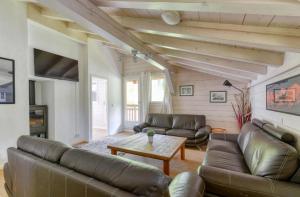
{"points": [[230, 183], [187, 184], [7, 178], [224, 136], [138, 128], [203, 131]]}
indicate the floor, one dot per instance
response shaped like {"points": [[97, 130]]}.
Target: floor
{"points": [[99, 133], [2, 189]]}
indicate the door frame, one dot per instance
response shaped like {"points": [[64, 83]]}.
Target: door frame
{"points": [[125, 78], [91, 105]]}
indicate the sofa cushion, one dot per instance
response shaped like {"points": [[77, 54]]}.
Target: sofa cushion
{"points": [[225, 146], [43, 148], [189, 122], [157, 130], [160, 120], [134, 177], [190, 134], [244, 135], [224, 160], [269, 157]]}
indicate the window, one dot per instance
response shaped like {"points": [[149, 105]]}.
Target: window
{"points": [[157, 89]]}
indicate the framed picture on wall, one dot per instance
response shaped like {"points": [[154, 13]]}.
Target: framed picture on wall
{"points": [[7, 81], [186, 90], [218, 96], [284, 96]]}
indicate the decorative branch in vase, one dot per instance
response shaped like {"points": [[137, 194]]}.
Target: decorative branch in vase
{"points": [[242, 106]]}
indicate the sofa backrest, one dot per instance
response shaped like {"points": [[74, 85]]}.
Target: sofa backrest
{"points": [[137, 178], [43, 148], [28, 175], [269, 157], [159, 120], [189, 122], [244, 136]]}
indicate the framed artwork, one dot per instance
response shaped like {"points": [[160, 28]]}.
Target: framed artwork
{"points": [[186, 90], [218, 96], [284, 96], [7, 81]]}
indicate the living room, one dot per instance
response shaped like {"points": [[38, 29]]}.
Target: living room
{"points": [[200, 96]]}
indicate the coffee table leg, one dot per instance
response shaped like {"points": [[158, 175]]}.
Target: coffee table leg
{"points": [[182, 150], [113, 152], [167, 167]]}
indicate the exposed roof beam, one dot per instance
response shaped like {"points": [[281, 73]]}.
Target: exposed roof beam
{"points": [[53, 15], [216, 61], [223, 75], [283, 31], [123, 51], [77, 27], [256, 56], [245, 39], [34, 15], [236, 73], [89, 16], [261, 7]]}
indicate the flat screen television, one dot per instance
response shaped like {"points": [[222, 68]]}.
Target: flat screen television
{"points": [[54, 66]]}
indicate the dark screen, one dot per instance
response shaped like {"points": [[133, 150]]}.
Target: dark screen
{"points": [[55, 66]]}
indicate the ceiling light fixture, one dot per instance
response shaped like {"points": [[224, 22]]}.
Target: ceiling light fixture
{"points": [[171, 17]]}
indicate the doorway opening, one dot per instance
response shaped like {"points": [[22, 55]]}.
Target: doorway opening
{"points": [[131, 111], [99, 108]]}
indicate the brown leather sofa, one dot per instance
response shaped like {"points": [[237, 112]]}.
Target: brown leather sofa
{"points": [[39, 167], [261, 161], [193, 127]]}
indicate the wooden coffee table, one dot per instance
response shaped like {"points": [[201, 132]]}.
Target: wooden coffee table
{"points": [[163, 148]]}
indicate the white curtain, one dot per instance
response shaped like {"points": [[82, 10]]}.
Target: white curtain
{"points": [[167, 104], [145, 94]]}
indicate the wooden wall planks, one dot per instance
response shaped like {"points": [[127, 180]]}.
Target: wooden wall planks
{"points": [[217, 114]]}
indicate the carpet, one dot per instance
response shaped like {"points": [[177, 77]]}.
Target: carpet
{"points": [[191, 163]]}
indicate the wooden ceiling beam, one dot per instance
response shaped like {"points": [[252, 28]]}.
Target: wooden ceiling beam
{"points": [[81, 36], [53, 15], [215, 61], [218, 69], [87, 14], [282, 31], [256, 56], [258, 7], [34, 15], [218, 74], [230, 37]]}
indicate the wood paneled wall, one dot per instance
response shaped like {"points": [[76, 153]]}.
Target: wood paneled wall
{"points": [[217, 114]]}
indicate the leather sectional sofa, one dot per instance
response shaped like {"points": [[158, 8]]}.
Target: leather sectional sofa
{"points": [[193, 127], [261, 161], [39, 167]]}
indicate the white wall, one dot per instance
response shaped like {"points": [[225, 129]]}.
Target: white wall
{"points": [[14, 120], [290, 68], [68, 102], [106, 63]]}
